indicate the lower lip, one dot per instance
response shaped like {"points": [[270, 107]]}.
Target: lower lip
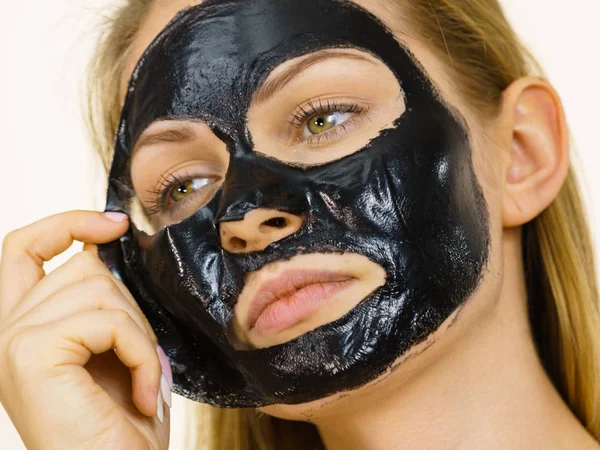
{"points": [[289, 311]]}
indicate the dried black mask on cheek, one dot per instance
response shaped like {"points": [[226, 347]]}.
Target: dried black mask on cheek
{"points": [[409, 201]]}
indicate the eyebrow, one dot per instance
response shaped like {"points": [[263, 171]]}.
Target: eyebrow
{"points": [[180, 132], [278, 82]]}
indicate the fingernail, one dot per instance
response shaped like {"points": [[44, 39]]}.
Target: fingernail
{"points": [[115, 216], [166, 366], [166, 390], [159, 403]]}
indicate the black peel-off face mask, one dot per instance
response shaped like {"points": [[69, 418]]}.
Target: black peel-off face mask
{"points": [[408, 201]]}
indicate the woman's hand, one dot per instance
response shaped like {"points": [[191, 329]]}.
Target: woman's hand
{"points": [[61, 383]]}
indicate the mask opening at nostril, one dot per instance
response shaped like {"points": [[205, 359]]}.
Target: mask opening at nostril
{"points": [[276, 222]]}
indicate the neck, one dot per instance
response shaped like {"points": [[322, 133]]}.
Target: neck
{"points": [[488, 390]]}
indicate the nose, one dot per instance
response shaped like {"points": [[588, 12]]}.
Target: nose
{"points": [[257, 230]]}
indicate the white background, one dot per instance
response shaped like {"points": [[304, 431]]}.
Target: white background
{"points": [[47, 166]]}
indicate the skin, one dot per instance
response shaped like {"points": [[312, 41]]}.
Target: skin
{"points": [[475, 383]]}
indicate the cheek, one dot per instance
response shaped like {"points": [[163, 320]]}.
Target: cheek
{"points": [[488, 164]]}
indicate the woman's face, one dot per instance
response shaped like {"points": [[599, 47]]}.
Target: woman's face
{"points": [[311, 110]]}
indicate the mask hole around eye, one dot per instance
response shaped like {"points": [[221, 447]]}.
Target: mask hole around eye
{"points": [[328, 107], [182, 156]]}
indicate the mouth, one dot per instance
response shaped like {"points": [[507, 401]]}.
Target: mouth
{"points": [[291, 297], [286, 299]]}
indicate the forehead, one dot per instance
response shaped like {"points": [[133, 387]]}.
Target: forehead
{"points": [[225, 49], [161, 12]]}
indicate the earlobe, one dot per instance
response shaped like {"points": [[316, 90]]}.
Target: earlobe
{"points": [[539, 153]]}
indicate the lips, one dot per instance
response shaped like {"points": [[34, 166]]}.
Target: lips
{"points": [[295, 294], [288, 298]]}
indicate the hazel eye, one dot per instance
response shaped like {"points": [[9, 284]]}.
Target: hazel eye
{"points": [[320, 123], [188, 187]]}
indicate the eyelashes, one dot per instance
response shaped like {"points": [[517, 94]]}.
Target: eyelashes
{"points": [[312, 108], [158, 194]]}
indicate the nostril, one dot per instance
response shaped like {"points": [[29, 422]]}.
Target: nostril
{"points": [[276, 222], [238, 244], [257, 230]]}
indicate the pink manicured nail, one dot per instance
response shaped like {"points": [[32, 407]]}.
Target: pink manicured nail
{"points": [[160, 413], [166, 391], [166, 366], [115, 216]]}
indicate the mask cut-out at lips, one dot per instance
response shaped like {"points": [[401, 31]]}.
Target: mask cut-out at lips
{"points": [[409, 201]]}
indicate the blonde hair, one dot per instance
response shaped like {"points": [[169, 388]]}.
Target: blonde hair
{"points": [[475, 40]]}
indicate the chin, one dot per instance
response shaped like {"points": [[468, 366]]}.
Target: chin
{"points": [[420, 365]]}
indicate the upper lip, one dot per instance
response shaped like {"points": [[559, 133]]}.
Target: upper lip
{"points": [[285, 285]]}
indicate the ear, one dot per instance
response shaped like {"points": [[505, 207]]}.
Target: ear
{"points": [[539, 153]]}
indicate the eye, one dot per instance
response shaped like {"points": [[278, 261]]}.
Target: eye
{"points": [[323, 118], [183, 189], [320, 123]]}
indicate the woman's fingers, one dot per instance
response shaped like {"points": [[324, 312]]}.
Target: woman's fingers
{"points": [[50, 326], [56, 349], [25, 250], [81, 267], [98, 292]]}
